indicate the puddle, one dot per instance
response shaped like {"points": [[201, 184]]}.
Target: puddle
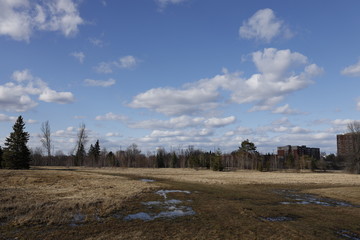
{"points": [[147, 180], [141, 215], [169, 208], [305, 199], [277, 219], [348, 235]]}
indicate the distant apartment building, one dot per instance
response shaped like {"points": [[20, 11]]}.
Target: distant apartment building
{"points": [[345, 144], [298, 151]]}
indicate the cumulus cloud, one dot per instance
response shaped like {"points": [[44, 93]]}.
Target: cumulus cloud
{"points": [[49, 95], [99, 83], [281, 72], [16, 96], [20, 18], [127, 62], [176, 101], [264, 25], [352, 70], [80, 56]]}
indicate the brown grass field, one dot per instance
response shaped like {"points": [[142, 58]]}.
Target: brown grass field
{"points": [[93, 203]]}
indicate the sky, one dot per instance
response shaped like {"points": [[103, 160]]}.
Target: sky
{"points": [[174, 73]]}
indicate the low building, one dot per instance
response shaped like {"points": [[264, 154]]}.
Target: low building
{"points": [[298, 151]]}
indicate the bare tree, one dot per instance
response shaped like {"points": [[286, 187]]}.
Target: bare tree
{"points": [[353, 159], [46, 138], [80, 145]]}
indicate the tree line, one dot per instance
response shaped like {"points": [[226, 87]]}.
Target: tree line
{"points": [[16, 155]]}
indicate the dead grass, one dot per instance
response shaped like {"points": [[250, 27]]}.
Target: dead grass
{"points": [[54, 196], [238, 177], [41, 204]]}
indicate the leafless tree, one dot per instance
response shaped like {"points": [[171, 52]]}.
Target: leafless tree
{"points": [[46, 138], [81, 141], [353, 159]]}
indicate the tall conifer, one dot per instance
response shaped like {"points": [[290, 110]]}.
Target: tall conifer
{"points": [[16, 154]]}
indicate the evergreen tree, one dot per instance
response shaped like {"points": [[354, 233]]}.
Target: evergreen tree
{"points": [[160, 158], [94, 153], [80, 156], [16, 154]]}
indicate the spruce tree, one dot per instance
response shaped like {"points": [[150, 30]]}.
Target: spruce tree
{"points": [[16, 154]]}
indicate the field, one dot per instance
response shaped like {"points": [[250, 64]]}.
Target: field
{"points": [[116, 203]]}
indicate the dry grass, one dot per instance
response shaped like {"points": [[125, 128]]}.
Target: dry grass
{"points": [[238, 177], [54, 196], [41, 204]]}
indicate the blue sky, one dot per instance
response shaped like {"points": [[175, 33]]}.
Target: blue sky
{"points": [[173, 73]]}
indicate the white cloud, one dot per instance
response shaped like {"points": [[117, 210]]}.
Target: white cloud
{"points": [[184, 121], [99, 83], [220, 122], [16, 96], [21, 76], [172, 123], [5, 118], [264, 25], [342, 121], [104, 67], [127, 62], [281, 72], [111, 117], [176, 102], [113, 134], [96, 42], [286, 109], [80, 56], [160, 133], [31, 121], [49, 95], [352, 70], [20, 18], [164, 3]]}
